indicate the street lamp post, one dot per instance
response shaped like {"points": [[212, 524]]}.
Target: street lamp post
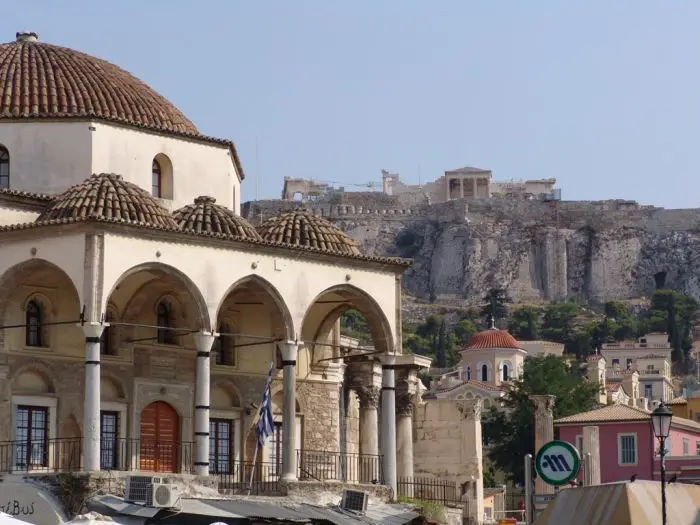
{"points": [[661, 423]]}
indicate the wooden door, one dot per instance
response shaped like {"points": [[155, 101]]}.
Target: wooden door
{"points": [[159, 446]]}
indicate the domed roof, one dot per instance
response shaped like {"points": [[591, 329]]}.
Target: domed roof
{"points": [[40, 80], [303, 228], [492, 338], [205, 216], [108, 196]]}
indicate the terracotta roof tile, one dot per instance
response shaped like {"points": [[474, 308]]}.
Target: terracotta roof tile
{"points": [[205, 216], [304, 228], [108, 196], [42, 80], [25, 195], [610, 413], [492, 338], [678, 401]]}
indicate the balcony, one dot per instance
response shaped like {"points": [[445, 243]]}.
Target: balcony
{"points": [[133, 455]]}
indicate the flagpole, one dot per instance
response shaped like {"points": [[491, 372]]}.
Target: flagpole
{"points": [[268, 388]]}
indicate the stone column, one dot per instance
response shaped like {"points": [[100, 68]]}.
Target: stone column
{"points": [[404, 434], [368, 396], [544, 433], [474, 188], [591, 445], [447, 185], [202, 389], [461, 188], [91, 416], [473, 512], [389, 422], [289, 352]]}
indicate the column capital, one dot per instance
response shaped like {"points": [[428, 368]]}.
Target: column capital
{"points": [[544, 404], [204, 341], [404, 402], [470, 409], [92, 330], [288, 349], [368, 395], [388, 360]]}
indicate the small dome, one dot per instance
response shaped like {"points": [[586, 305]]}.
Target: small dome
{"points": [[303, 228], [205, 216], [492, 338], [45, 81], [108, 196]]}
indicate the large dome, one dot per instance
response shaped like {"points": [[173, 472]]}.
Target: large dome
{"points": [[303, 228], [109, 197], [45, 81], [205, 216]]}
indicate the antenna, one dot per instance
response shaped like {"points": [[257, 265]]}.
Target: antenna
{"points": [[257, 170]]}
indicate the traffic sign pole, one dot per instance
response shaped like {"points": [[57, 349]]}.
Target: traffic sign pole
{"points": [[528, 489], [557, 463]]}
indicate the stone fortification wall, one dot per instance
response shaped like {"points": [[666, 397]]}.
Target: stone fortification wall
{"points": [[540, 251]]}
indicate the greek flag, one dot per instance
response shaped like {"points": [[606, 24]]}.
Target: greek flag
{"points": [[265, 425]]}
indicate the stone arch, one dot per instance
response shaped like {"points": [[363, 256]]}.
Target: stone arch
{"points": [[165, 270], [34, 378], [278, 400], [320, 317], [261, 285], [225, 395], [111, 388]]}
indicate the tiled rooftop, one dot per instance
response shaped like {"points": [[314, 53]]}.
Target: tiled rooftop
{"points": [[492, 338], [304, 228], [610, 413], [205, 216], [108, 196], [41, 80]]}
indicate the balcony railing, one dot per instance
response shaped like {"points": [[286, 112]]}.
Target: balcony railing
{"points": [[235, 478], [65, 455], [320, 465]]}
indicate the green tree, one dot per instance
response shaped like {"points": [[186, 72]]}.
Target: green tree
{"points": [[354, 324], [440, 350], [509, 434], [674, 313], [464, 330], [495, 304], [524, 323]]}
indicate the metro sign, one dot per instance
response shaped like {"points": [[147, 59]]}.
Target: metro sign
{"points": [[557, 463]]}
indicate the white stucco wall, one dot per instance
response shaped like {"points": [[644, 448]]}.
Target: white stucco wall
{"points": [[10, 215], [214, 272], [198, 169], [47, 157]]}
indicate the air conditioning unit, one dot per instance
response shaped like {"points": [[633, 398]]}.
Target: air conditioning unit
{"points": [[139, 489], [164, 496], [354, 500]]}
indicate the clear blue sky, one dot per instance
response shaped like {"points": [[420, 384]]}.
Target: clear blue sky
{"points": [[603, 95]]}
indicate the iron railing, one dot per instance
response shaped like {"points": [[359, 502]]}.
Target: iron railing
{"points": [[321, 465], [235, 478], [65, 455], [432, 490]]}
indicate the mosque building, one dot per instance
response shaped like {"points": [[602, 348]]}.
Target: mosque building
{"points": [[141, 314]]}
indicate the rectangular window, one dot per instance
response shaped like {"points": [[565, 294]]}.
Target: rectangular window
{"points": [[276, 451], [220, 446], [32, 436], [697, 448], [109, 440], [648, 391], [616, 362], [686, 447], [629, 363], [627, 449]]}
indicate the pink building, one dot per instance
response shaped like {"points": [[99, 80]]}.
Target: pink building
{"points": [[628, 446]]}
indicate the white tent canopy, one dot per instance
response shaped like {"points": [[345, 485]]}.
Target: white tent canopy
{"points": [[6, 519]]}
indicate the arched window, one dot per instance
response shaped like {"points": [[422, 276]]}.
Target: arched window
{"points": [[156, 179], [469, 373], [166, 335], [4, 168], [484, 372], [506, 372], [225, 350], [34, 319]]}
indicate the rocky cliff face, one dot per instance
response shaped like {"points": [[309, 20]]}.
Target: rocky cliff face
{"points": [[539, 251]]}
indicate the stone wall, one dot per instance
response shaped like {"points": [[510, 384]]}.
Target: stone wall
{"points": [[539, 251]]}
